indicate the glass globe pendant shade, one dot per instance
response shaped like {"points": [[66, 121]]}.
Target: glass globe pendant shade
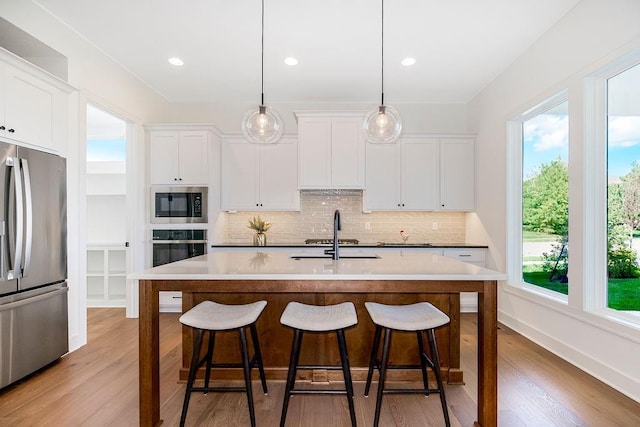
{"points": [[262, 126], [382, 125]]}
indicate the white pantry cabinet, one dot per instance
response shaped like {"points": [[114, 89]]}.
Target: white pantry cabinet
{"points": [[179, 157], [34, 106], [420, 173], [330, 149], [259, 176]]}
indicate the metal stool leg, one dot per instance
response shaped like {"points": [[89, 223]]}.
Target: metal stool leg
{"points": [[372, 361], [344, 358], [291, 377], [436, 369], [423, 364], [207, 373], [383, 374], [258, 356], [247, 374], [192, 374]]}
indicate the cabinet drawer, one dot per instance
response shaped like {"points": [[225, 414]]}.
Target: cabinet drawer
{"points": [[475, 256], [170, 302]]}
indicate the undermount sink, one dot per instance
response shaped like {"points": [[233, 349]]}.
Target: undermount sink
{"points": [[403, 244], [345, 256]]}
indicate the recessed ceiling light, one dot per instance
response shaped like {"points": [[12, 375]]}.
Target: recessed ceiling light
{"points": [[408, 61], [291, 61], [176, 61]]}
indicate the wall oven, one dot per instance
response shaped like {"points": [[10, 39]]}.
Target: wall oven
{"points": [[178, 205], [176, 245]]}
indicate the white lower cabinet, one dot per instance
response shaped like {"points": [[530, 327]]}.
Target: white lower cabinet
{"points": [[170, 302], [476, 256], [106, 276]]}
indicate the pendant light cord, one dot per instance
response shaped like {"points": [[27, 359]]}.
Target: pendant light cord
{"points": [[382, 54], [262, 60]]}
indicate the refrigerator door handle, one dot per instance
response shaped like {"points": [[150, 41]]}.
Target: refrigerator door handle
{"points": [[14, 162], [28, 204]]}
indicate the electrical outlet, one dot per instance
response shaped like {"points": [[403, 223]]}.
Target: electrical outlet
{"points": [[434, 226], [367, 226]]}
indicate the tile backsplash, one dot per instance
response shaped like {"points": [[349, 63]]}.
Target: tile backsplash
{"points": [[315, 221]]}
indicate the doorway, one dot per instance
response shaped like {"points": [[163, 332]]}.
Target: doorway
{"points": [[106, 209]]}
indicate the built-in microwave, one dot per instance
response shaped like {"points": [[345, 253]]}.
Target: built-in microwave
{"points": [[178, 205]]}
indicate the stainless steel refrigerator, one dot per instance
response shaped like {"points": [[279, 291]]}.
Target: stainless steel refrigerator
{"points": [[33, 261]]}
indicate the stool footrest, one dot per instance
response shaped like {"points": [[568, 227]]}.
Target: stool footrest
{"points": [[318, 392], [328, 368], [410, 391], [217, 389]]}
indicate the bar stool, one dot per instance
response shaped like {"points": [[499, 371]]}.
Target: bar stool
{"points": [[213, 317], [319, 319], [419, 317]]}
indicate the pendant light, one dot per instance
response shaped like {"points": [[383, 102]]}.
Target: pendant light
{"points": [[382, 124], [262, 125]]}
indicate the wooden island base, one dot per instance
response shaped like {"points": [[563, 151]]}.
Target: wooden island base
{"points": [[322, 349], [434, 278]]}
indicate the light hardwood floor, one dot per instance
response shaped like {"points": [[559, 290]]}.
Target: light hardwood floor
{"points": [[98, 386]]}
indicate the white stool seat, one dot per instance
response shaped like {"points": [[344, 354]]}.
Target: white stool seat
{"points": [[212, 316], [319, 318], [412, 317]]}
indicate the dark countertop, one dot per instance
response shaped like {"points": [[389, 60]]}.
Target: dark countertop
{"points": [[361, 245]]}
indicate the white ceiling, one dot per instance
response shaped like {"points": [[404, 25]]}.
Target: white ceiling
{"points": [[460, 46]]}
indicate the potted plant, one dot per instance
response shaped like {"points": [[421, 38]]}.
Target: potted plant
{"points": [[260, 226]]}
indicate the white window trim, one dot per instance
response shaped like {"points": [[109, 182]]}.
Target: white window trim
{"points": [[514, 199], [595, 197]]}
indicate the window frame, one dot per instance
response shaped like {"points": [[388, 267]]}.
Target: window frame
{"points": [[596, 282], [514, 197]]}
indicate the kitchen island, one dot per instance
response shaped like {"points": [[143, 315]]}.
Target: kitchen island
{"points": [[393, 278]]}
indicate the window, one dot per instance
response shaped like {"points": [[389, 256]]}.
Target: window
{"points": [[545, 195], [623, 190]]}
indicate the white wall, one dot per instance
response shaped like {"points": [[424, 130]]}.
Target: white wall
{"points": [[102, 82], [594, 33], [417, 118]]}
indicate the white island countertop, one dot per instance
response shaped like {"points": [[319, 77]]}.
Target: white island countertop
{"points": [[279, 266]]}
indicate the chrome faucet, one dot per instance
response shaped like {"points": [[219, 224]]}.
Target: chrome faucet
{"points": [[336, 226]]}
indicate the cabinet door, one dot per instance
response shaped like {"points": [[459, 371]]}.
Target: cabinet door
{"points": [[164, 157], [382, 177], [419, 174], [457, 174], [29, 107], [193, 158], [278, 175], [347, 152], [314, 152], [239, 167]]}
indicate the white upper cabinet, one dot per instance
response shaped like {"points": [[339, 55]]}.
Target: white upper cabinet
{"points": [[259, 176], [33, 107], [330, 150], [457, 174], [403, 175], [420, 173], [179, 157]]}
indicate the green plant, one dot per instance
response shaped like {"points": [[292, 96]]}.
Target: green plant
{"points": [[259, 224], [556, 262], [622, 263]]}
